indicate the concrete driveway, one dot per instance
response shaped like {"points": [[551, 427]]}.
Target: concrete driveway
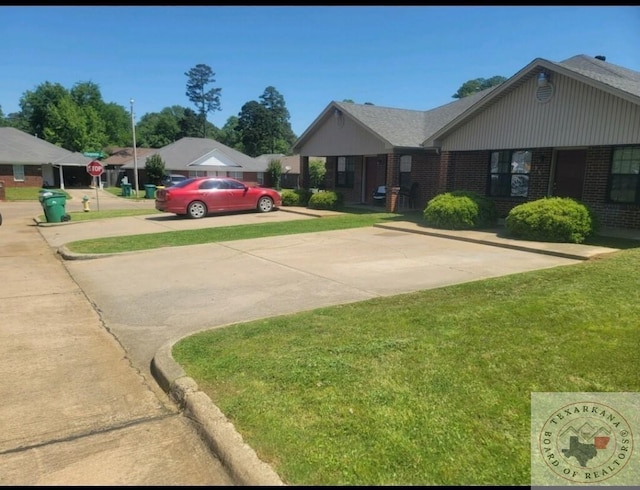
{"points": [[153, 297]]}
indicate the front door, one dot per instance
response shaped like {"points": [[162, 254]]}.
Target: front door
{"points": [[569, 175]]}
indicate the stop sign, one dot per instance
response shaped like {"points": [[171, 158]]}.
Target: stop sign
{"points": [[95, 168]]}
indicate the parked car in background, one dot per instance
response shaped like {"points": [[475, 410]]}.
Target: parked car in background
{"points": [[197, 197], [171, 179]]}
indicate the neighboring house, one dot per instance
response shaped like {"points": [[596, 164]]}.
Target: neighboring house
{"points": [[569, 128], [118, 157], [196, 157], [290, 168], [27, 161]]}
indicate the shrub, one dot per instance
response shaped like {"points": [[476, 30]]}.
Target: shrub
{"points": [[325, 200], [274, 169], [460, 210], [551, 219], [317, 171], [297, 197], [154, 169]]}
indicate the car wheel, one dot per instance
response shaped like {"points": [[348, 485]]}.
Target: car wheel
{"points": [[196, 210], [265, 204]]}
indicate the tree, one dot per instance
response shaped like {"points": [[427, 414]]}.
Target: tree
{"points": [[35, 106], [472, 86], [275, 172], [205, 101], [229, 134], [254, 124], [190, 124], [154, 169], [282, 137]]}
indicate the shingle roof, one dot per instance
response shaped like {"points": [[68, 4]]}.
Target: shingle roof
{"points": [[201, 154], [408, 128], [120, 156], [613, 75], [402, 127], [22, 148]]}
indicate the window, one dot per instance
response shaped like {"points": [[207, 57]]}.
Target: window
{"points": [[260, 178], [509, 173], [625, 168], [236, 175], [18, 173], [345, 174], [405, 172]]}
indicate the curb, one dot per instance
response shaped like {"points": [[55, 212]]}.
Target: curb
{"points": [[242, 462]]}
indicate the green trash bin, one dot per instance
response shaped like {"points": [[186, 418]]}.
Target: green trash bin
{"points": [[126, 190], [149, 191], [53, 203]]}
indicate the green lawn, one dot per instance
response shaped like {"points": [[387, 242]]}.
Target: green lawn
{"points": [[427, 388]]}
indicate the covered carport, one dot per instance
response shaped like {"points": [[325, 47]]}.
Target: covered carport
{"points": [[70, 171]]}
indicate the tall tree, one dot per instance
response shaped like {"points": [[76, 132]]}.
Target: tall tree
{"points": [[117, 121], [254, 124], [282, 136], [205, 101], [472, 86], [35, 106]]}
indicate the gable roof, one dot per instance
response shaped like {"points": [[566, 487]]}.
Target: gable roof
{"points": [[201, 154], [402, 128], [619, 81], [120, 156], [18, 147]]}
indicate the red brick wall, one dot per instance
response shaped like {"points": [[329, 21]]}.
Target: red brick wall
{"points": [[32, 176], [469, 171]]}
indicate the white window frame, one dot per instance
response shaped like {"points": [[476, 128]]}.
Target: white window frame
{"points": [[18, 172]]}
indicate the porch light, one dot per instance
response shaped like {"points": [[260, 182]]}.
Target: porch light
{"points": [[543, 79]]}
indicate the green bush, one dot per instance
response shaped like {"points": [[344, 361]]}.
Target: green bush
{"points": [[325, 200], [297, 197], [460, 210], [551, 219]]}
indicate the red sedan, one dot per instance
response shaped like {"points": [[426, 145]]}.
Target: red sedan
{"points": [[199, 196]]}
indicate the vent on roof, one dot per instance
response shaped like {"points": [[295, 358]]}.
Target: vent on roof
{"points": [[601, 58]]}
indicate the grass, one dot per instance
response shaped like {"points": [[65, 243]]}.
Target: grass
{"points": [[427, 388], [31, 193], [225, 233]]}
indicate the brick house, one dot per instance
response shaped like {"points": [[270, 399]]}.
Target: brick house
{"points": [[569, 128], [27, 161], [195, 157]]}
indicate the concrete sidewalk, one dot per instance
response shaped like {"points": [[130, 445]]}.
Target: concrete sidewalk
{"points": [[74, 410]]}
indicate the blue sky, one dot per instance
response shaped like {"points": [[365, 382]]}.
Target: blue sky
{"points": [[407, 57]]}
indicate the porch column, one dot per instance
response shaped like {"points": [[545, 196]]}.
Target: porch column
{"points": [[392, 181], [304, 172]]}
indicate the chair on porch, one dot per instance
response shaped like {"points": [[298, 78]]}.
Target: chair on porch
{"points": [[380, 195]]}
